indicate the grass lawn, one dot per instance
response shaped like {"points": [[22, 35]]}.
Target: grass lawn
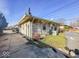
{"points": [[58, 41]]}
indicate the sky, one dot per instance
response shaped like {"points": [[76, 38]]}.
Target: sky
{"points": [[49, 9]]}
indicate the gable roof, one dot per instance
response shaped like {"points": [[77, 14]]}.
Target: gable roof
{"points": [[34, 19]]}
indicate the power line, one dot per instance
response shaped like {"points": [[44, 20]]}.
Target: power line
{"points": [[62, 7]]}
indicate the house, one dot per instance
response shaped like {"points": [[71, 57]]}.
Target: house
{"points": [[35, 27]]}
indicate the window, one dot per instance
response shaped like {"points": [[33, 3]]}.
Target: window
{"points": [[55, 28], [44, 27]]}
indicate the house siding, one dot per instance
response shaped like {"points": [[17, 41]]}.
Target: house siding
{"points": [[26, 29], [38, 27], [30, 26]]}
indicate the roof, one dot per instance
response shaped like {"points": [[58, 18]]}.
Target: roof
{"points": [[34, 19]]}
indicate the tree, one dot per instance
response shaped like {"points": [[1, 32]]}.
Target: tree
{"points": [[3, 22]]}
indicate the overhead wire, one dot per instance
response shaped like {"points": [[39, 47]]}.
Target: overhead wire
{"points": [[58, 9]]}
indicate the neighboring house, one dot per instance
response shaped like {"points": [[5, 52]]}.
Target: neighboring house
{"points": [[33, 27]]}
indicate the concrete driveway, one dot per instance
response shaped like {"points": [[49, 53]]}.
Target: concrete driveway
{"points": [[72, 40], [10, 42], [13, 45]]}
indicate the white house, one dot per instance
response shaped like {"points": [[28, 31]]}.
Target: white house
{"points": [[34, 27]]}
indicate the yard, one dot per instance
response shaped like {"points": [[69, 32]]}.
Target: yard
{"points": [[58, 41]]}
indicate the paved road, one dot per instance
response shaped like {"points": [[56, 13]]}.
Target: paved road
{"points": [[72, 40], [13, 45]]}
